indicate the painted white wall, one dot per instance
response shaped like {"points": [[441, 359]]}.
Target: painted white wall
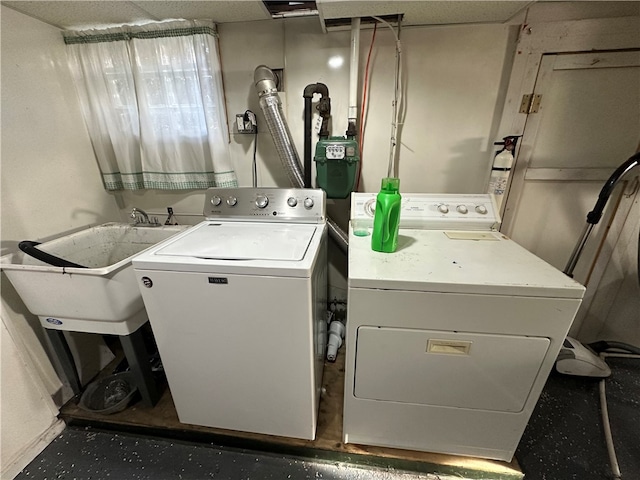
{"points": [[50, 181], [455, 77], [49, 185], [27, 410]]}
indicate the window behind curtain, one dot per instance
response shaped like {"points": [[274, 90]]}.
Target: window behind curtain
{"points": [[153, 103]]}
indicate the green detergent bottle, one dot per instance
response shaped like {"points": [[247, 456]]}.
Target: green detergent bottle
{"points": [[386, 220]]}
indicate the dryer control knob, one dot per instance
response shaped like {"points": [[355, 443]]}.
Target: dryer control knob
{"points": [[231, 201], [462, 209], [308, 202], [216, 200], [442, 208], [481, 209], [292, 202], [262, 201]]}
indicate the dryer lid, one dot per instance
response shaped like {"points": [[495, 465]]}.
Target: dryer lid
{"points": [[238, 241]]}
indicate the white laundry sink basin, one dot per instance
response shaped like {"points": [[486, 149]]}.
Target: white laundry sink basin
{"points": [[102, 298]]}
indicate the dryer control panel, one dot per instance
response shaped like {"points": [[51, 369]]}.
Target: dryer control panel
{"points": [[292, 205], [437, 211]]}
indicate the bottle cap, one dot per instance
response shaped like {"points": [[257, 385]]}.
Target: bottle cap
{"points": [[390, 184]]}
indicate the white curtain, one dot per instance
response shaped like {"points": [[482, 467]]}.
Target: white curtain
{"points": [[153, 102]]}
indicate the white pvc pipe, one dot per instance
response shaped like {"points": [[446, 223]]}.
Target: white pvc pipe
{"points": [[336, 334], [354, 66]]}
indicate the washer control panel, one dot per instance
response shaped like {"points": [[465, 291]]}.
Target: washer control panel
{"points": [[434, 211], [298, 205]]}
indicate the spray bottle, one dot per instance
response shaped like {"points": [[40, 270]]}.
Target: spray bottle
{"points": [[386, 220]]}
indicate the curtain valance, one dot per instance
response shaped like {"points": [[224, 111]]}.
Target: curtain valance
{"points": [[155, 30]]}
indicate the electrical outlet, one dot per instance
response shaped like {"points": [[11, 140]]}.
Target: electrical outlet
{"points": [[245, 126]]}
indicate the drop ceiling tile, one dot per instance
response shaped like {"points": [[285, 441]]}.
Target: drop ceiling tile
{"points": [[85, 14], [220, 11], [78, 14]]}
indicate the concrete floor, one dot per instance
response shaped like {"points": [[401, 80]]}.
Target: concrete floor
{"points": [[563, 441], [89, 454]]}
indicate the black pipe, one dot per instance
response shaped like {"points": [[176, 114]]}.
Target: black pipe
{"points": [[324, 108], [319, 88], [595, 215], [352, 131], [306, 164]]}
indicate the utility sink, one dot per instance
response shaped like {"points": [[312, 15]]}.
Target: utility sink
{"points": [[103, 297]]}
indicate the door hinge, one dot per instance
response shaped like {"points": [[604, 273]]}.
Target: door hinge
{"points": [[530, 103]]}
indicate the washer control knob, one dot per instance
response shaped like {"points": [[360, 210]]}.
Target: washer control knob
{"points": [[308, 202], [231, 201], [481, 209], [462, 209], [442, 208], [262, 201], [216, 200], [292, 202]]}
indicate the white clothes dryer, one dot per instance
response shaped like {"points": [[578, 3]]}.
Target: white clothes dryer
{"points": [[237, 305], [450, 339]]}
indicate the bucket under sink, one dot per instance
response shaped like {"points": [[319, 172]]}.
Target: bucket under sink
{"points": [[102, 298]]}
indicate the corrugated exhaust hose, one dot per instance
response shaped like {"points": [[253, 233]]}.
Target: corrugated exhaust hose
{"points": [[265, 83]]}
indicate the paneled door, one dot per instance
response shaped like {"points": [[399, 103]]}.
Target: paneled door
{"points": [[586, 125]]}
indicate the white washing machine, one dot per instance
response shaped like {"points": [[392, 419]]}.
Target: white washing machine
{"points": [[451, 338], [238, 309]]}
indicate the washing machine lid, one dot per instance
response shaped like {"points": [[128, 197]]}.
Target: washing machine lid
{"points": [[243, 241]]}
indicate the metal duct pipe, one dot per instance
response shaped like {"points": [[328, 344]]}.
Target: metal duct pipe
{"points": [[265, 83], [271, 106]]}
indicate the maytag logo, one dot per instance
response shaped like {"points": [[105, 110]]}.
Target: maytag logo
{"points": [[54, 321], [219, 280]]}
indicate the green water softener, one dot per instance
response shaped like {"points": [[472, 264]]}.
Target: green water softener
{"points": [[386, 220], [337, 165]]}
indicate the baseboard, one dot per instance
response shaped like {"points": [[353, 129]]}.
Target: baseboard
{"points": [[31, 451]]}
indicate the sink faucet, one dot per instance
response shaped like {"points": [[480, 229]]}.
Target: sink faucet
{"points": [[140, 217]]}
